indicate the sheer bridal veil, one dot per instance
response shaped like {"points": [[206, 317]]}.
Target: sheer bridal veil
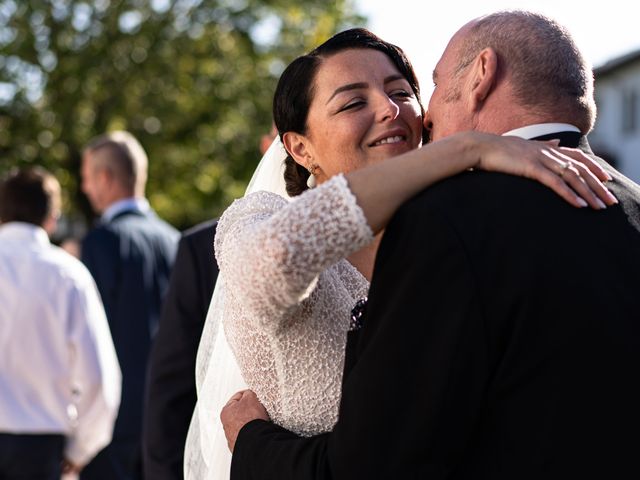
{"points": [[207, 456]]}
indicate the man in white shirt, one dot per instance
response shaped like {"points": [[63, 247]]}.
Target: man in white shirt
{"points": [[60, 381]]}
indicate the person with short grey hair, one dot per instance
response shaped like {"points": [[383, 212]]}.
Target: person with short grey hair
{"points": [[130, 253]]}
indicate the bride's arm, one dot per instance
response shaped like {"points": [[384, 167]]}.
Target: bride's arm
{"points": [[270, 251], [382, 188]]}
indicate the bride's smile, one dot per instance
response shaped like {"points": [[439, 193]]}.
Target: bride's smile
{"points": [[363, 111]]}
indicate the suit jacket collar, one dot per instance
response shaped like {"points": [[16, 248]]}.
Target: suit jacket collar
{"points": [[126, 213], [137, 205], [567, 139], [569, 135]]}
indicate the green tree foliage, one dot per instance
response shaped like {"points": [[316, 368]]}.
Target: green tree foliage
{"points": [[192, 79]]}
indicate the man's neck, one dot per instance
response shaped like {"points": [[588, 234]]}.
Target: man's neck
{"points": [[138, 204]]}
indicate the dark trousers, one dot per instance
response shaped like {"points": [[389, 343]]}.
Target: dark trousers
{"points": [[31, 457], [120, 460]]}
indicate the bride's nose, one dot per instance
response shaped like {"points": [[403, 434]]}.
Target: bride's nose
{"points": [[386, 109]]}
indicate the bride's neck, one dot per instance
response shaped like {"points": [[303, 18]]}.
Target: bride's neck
{"points": [[365, 258]]}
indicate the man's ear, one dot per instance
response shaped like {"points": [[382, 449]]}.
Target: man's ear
{"points": [[483, 76], [106, 177], [297, 146]]}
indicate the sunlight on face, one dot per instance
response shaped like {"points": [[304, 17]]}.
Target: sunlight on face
{"points": [[363, 111], [446, 113], [92, 184]]}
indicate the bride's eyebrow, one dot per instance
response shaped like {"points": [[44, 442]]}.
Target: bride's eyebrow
{"points": [[358, 85], [350, 86], [393, 78]]}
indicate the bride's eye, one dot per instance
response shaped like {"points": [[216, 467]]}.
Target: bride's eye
{"points": [[400, 93], [356, 102]]}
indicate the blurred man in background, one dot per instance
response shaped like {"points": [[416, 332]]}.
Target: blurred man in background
{"points": [[171, 390], [59, 376], [130, 255]]}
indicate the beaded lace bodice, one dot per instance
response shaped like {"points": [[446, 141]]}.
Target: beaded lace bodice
{"points": [[288, 295]]}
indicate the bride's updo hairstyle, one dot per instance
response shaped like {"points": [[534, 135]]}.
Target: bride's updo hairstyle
{"points": [[295, 89]]}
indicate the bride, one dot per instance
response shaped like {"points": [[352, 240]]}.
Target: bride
{"points": [[293, 263]]}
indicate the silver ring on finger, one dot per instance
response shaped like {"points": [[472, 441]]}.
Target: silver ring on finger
{"points": [[564, 169]]}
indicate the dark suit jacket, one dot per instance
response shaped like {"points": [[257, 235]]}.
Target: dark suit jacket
{"points": [[130, 258], [171, 389], [501, 341]]}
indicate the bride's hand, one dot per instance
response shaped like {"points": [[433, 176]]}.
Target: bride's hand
{"points": [[567, 171]]}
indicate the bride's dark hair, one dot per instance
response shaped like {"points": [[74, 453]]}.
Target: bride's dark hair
{"points": [[294, 92]]}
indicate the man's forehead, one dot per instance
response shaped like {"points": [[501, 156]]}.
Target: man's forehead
{"points": [[447, 60], [440, 68]]}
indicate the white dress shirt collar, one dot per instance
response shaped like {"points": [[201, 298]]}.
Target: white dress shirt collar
{"points": [[137, 204], [22, 232], [539, 129]]}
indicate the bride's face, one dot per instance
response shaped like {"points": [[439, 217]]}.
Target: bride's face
{"points": [[363, 111]]}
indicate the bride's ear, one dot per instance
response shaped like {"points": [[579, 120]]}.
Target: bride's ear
{"points": [[297, 146]]}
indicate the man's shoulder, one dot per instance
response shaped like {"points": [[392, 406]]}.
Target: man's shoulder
{"points": [[64, 266], [165, 229], [204, 229], [100, 236], [134, 222], [161, 226], [200, 235], [477, 191]]}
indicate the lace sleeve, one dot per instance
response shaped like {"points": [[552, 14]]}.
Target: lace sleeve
{"points": [[272, 250]]}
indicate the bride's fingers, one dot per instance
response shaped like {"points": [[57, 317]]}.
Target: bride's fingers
{"points": [[565, 178], [582, 158], [589, 187], [573, 176], [580, 178], [550, 179], [587, 176], [579, 156]]}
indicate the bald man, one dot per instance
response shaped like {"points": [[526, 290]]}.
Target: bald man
{"points": [[501, 338]]}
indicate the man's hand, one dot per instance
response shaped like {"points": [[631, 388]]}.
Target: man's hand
{"points": [[243, 407]]}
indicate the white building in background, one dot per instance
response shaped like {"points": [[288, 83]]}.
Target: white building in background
{"points": [[616, 136]]}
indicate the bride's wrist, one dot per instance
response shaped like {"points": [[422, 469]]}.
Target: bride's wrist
{"points": [[475, 146]]}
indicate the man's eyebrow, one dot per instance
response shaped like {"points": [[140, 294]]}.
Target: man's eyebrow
{"points": [[434, 76], [349, 86], [355, 86]]}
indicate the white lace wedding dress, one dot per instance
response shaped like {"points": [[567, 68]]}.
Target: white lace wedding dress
{"points": [[288, 294]]}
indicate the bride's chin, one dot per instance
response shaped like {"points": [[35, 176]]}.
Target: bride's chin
{"points": [[392, 150]]}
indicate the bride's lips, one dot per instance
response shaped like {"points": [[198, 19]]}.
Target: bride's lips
{"points": [[390, 137]]}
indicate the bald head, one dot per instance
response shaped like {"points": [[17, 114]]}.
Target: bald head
{"points": [[538, 57], [124, 157]]}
